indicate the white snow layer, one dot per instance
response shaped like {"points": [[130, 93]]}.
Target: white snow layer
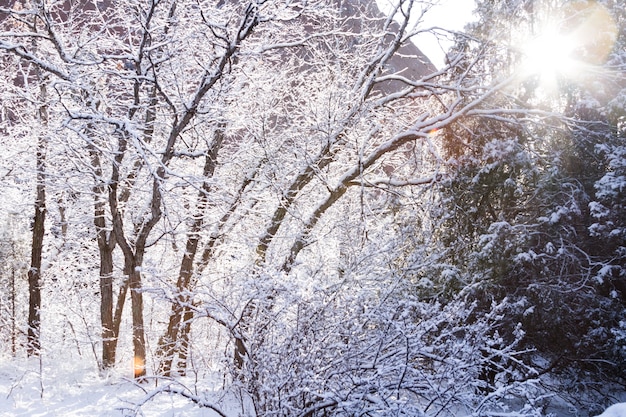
{"points": [[616, 410]]}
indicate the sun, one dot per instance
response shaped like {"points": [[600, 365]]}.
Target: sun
{"points": [[550, 56], [569, 44]]}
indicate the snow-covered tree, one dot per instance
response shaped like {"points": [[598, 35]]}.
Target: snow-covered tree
{"points": [[514, 209], [260, 179]]}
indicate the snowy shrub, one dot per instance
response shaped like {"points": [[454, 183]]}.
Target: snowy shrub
{"points": [[343, 354]]}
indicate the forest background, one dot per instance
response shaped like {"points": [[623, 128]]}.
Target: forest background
{"points": [[283, 205]]}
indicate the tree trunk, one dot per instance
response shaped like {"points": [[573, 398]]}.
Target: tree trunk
{"points": [[109, 336], [183, 351], [13, 312], [139, 342], [167, 343], [34, 273], [106, 245], [181, 314]]}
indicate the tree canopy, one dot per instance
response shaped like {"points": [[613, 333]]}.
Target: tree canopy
{"points": [[295, 200]]}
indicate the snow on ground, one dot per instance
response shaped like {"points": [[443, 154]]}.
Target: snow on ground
{"points": [[75, 390], [617, 410]]}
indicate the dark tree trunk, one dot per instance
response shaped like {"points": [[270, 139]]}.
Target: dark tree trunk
{"points": [[13, 314], [139, 342], [109, 336], [240, 353], [34, 273], [106, 245], [180, 317], [168, 342], [117, 317], [184, 341]]}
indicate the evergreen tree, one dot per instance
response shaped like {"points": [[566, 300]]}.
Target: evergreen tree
{"points": [[532, 209]]}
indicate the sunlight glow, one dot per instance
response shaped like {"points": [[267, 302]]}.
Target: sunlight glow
{"points": [[139, 367], [569, 44], [550, 55]]}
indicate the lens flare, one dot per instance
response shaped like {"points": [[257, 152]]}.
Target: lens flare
{"points": [[139, 367], [550, 55], [570, 44], [595, 31]]}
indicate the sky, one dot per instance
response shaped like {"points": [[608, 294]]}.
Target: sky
{"points": [[447, 14]]}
